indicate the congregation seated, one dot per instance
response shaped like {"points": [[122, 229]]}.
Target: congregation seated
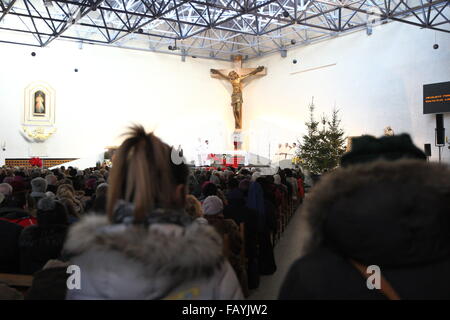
{"points": [[46, 216]]}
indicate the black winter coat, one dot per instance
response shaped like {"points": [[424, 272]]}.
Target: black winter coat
{"points": [[395, 215], [38, 244], [9, 249]]}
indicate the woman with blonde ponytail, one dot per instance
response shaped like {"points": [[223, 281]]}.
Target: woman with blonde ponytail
{"points": [[147, 247]]}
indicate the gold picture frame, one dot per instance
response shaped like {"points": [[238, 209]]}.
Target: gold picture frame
{"points": [[39, 104]]}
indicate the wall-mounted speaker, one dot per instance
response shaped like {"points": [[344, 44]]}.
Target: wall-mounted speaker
{"points": [[427, 149], [440, 130], [439, 120]]}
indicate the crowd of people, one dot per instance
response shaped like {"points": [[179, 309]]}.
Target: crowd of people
{"points": [[148, 228], [37, 206], [223, 223]]}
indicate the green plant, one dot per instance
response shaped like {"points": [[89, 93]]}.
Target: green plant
{"points": [[321, 148]]}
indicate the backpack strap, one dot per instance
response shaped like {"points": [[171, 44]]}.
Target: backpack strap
{"points": [[386, 289]]}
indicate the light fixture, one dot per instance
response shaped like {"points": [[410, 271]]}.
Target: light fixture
{"points": [[174, 47], [95, 4], [48, 3]]}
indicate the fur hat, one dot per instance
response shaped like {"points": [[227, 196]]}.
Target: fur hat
{"points": [[39, 185]]}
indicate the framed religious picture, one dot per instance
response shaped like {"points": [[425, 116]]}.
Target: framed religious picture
{"points": [[39, 103], [39, 108]]}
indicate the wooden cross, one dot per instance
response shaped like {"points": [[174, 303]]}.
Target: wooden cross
{"points": [[236, 76]]}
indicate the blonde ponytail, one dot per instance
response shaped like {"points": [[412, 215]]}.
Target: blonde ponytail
{"points": [[144, 175]]}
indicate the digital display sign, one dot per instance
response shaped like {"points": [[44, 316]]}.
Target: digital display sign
{"points": [[436, 98]]}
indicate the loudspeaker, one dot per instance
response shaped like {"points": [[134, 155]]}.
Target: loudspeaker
{"points": [[439, 121], [440, 130], [427, 149]]}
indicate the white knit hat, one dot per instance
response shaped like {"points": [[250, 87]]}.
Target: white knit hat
{"points": [[212, 205]]}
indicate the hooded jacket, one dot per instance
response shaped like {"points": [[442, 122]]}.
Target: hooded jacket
{"points": [[395, 215], [163, 260]]}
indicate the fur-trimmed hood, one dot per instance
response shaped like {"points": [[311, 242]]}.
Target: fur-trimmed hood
{"points": [[385, 213], [148, 261], [166, 249]]}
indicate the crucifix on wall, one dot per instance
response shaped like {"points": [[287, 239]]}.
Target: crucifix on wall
{"points": [[235, 76]]}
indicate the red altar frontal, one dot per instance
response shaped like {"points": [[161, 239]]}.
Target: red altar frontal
{"points": [[234, 159]]}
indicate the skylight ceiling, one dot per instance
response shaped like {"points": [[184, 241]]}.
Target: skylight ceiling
{"points": [[216, 29]]}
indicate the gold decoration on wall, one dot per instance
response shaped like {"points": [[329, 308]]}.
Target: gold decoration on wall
{"points": [[38, 122], [39, 133]]}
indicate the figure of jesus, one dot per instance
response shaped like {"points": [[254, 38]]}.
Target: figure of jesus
{"points": [[39, 106], [236, 97]]}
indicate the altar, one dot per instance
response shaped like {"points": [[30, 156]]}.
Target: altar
{"points": [[226, 158]]}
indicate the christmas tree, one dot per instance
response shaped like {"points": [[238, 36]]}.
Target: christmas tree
{"points": [[321, 148], [335, 140]]}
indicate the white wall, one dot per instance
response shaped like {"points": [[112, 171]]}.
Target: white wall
{"points": [[377, 81], [112, 89]]}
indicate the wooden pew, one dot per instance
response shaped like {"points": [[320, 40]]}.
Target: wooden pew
{"points": [[20, 282], [16, 280]]}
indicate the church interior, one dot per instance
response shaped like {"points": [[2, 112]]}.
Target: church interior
{"points": [[224, 150]]}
